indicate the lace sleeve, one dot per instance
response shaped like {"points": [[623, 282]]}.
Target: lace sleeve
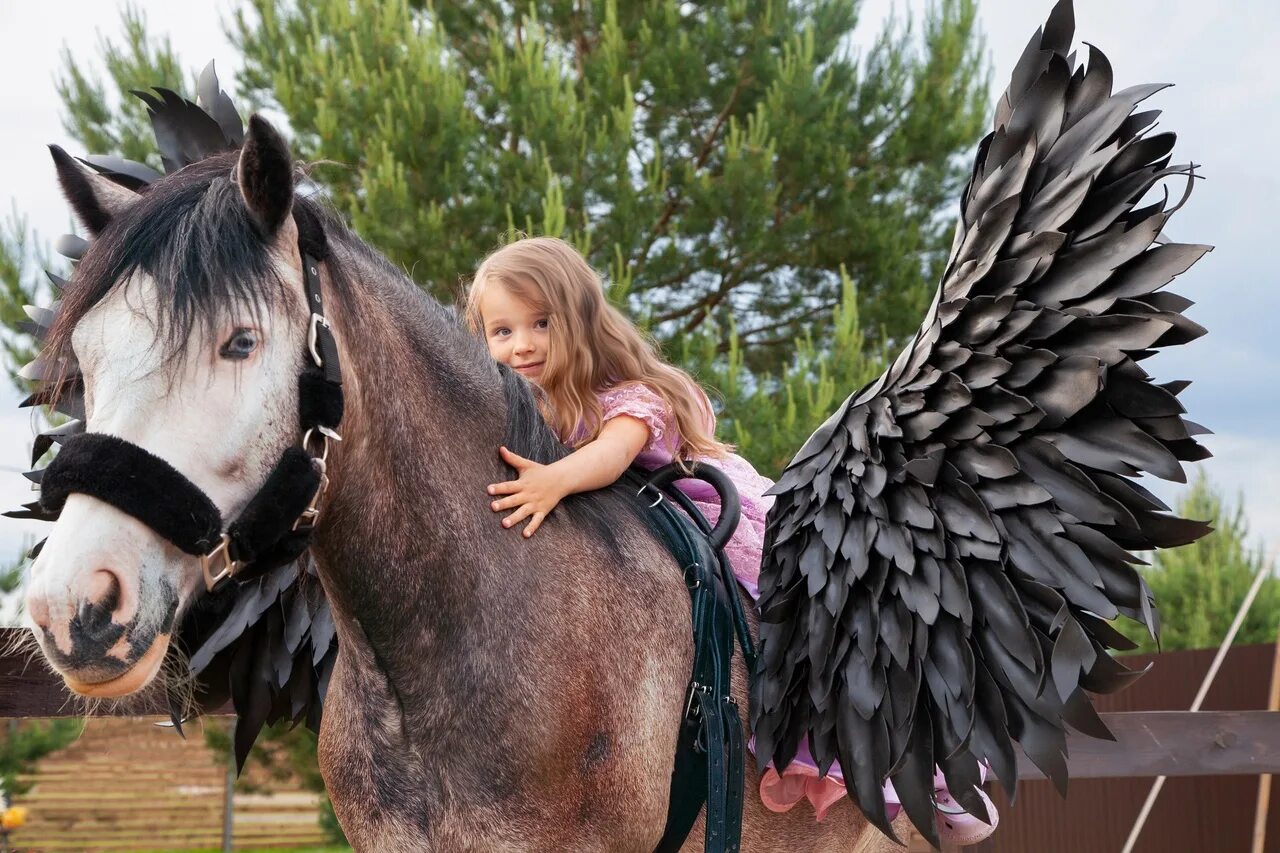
{"points": [[643, 403]]}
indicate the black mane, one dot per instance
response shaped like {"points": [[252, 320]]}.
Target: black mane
{"points": [[193, 234]]}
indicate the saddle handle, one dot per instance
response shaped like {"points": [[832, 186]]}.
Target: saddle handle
{"points": [[730, 505]]}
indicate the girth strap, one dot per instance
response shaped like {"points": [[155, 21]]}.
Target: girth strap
{"points": [[709, 762], [718, 537]]}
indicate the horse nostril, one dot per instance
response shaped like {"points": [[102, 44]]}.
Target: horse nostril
{"points": [[104, 591], [38, 610]]}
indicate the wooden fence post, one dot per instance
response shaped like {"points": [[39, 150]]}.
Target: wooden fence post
{"points": [[229, 794], [1199, 700], [1264, 781]]}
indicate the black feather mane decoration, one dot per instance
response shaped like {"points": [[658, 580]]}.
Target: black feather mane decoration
{"points": [[267, 646], [946, 552]]}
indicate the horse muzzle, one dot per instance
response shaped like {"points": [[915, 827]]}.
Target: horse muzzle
{"points": [[95, 637], [133, 678]]}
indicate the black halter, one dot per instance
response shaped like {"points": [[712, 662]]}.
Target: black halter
{"points": [[275, 527]]}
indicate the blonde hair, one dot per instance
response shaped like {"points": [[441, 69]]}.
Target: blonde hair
{"points": [[592, 346]]}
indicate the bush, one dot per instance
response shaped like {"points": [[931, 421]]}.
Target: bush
{"points": [[281, 753], [27, 741]]}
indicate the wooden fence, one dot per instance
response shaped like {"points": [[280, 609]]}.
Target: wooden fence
{"points": [[1216, 755], [1225, 746]]}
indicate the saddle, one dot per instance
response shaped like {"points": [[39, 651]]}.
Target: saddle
{"points": [[709, 760]]}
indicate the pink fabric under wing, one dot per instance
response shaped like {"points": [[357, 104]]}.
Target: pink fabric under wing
{"points": [[780, 792]]}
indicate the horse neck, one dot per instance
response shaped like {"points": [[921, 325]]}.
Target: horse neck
{"points": [[404, 520]]}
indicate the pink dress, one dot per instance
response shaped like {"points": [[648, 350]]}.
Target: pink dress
{"points": [[800, 781]]}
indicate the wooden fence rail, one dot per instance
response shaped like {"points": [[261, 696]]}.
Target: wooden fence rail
{"points": [[1174, 743], [1148, 743]]}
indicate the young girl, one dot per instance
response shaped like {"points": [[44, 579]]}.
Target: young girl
{"points": [[541, 309]]}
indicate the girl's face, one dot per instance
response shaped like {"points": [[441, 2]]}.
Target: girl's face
{"points": [[516, 332]]}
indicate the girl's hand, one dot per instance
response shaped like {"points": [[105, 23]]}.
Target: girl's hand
{"points": [[536, 491]]}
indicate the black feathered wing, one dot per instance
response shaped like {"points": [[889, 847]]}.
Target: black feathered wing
{"points": [[268, 646], [945, 551]]}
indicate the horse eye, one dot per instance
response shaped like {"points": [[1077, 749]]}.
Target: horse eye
{"points": [[242, 344]]}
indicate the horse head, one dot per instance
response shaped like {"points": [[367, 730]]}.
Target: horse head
{"points": [[188, 322]]}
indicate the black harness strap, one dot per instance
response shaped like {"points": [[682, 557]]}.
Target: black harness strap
{"points": [[709, 761], [143, 485], [718, 537], [276, 526], [320, 341], [263, 536]]}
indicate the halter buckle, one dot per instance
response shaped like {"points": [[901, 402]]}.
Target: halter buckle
{"points": [[313, 333], [306, 522], [229, 566]]}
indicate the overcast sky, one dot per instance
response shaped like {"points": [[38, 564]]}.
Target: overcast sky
{"points": [[1225, 107]]}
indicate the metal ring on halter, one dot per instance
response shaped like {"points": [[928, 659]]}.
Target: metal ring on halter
{"points": [[323, 455]]}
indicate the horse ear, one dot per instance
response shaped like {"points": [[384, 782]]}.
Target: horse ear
{"points": [[94, 199], [265, 175]]}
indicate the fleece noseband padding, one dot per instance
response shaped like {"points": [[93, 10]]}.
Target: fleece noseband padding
{"points": [[136, 482], [141, 484]]}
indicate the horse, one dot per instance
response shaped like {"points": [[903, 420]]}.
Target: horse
{"points": [[491, 692]]}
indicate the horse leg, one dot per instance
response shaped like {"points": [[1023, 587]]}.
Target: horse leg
{"points": [[358, 763]]}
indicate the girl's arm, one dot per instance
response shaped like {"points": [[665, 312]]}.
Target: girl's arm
{"points": [[538, 488]]}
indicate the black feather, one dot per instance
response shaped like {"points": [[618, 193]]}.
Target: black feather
{"points": [[1017, 418]]}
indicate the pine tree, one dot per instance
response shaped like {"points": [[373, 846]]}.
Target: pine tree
{"points": [[21, 283], [730, 166], [719, 161], [1199, 587]]}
